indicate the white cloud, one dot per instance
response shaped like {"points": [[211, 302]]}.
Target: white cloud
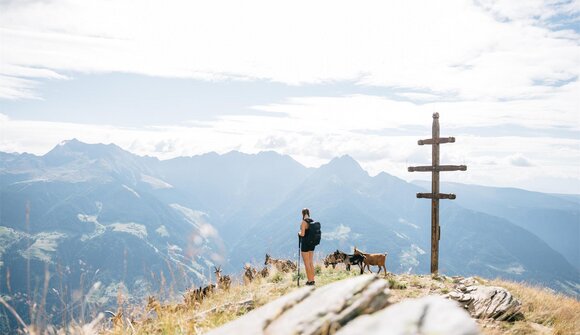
{"points": [[313, 138], [520, 160], [479, 64], [489, 51]]}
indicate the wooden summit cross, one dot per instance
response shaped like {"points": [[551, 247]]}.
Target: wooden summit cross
{"points": [[435, 168]]}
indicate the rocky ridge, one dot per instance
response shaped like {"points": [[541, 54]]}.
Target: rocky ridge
{"points": [[364, 305]]}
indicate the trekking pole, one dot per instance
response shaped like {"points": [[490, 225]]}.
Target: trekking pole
{"points": [[299, 245]]}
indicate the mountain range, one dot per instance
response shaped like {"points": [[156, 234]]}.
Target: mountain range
{"points": [[92, 213]]}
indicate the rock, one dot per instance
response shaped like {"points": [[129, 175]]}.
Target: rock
{"points": [[485, 302], [465, 282], [427, 315], [319, 311]]}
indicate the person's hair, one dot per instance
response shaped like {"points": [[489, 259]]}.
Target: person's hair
{"points": [[305, 212]]}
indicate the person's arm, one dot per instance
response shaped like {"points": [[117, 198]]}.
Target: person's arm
{"points": [[303, 227]]}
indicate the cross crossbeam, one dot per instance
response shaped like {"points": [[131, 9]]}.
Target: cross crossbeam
{"points": [[450, 196], [435, 196], [437, 141], [439, 168]]}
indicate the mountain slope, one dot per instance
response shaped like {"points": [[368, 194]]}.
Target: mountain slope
{"points": [[99, 213], [93, 220], [553, 218], [381, 213]]}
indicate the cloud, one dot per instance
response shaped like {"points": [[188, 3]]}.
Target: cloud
{"points": [[272, 142], [467, 50], [504, 76], [490, 160], [520, 160], [165, 146]]}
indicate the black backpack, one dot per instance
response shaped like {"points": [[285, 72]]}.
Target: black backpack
{"points": [[314, 234]]}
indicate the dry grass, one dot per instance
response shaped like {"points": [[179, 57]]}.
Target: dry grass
{"points": [[217, 309], [545, 312], [543, 309]]}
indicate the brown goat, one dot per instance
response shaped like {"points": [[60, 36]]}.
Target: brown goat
{"points": [[282, 265], [265, 272], [222, 281], [331, 260], [373, 259], [348, 260], [249, 274], [197, 294]]}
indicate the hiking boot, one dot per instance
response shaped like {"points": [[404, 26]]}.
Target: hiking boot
{"points": [[310, 283]]}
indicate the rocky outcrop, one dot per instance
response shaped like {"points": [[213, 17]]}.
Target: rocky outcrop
{"points": [[487, 302], [353, 306], [308, 311], [427, 315]]}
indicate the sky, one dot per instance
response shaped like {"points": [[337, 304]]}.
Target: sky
{"points": [[313, 80]]}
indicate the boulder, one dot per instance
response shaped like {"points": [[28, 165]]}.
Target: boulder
{"points": [[427, 315], [307, 311], [485, 302]]}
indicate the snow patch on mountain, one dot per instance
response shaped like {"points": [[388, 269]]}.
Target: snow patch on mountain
{"points": [[403, 221], [133, 228], [196, 218], [87, 218], [515, 268], [408, 257], [162, 231], [132, 191], [44, 246], [402, 236], [94, 219], [8, 236], [154, 182]]}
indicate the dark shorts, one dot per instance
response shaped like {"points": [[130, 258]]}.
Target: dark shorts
{"points": [[307, 247]]}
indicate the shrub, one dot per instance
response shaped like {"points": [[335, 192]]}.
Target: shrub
{"points": [[277, 278], [295, 276], [396, 285]]}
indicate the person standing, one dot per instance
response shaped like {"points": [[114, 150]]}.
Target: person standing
{"points": [[307, 246]]}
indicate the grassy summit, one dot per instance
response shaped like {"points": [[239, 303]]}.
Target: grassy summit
{"points": [[545, 312]]}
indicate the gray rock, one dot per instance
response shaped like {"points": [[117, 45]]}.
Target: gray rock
{"points": [[332, 306], [427, 315], [484, 302], [319, 311]]}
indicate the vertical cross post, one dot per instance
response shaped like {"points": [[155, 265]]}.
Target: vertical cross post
{"points": [[435, 168], [435, 201]]}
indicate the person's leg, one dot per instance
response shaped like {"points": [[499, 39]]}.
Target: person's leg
{"points": [[305, 259], [306, 267], [311, 263]]}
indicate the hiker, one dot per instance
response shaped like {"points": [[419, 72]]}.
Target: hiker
{"points": [[308, 242]]}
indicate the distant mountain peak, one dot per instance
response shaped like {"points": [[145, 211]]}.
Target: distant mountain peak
{"points": [[74, 145], [344, 160], [73, 141], [71, 150], [344, 165]]}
